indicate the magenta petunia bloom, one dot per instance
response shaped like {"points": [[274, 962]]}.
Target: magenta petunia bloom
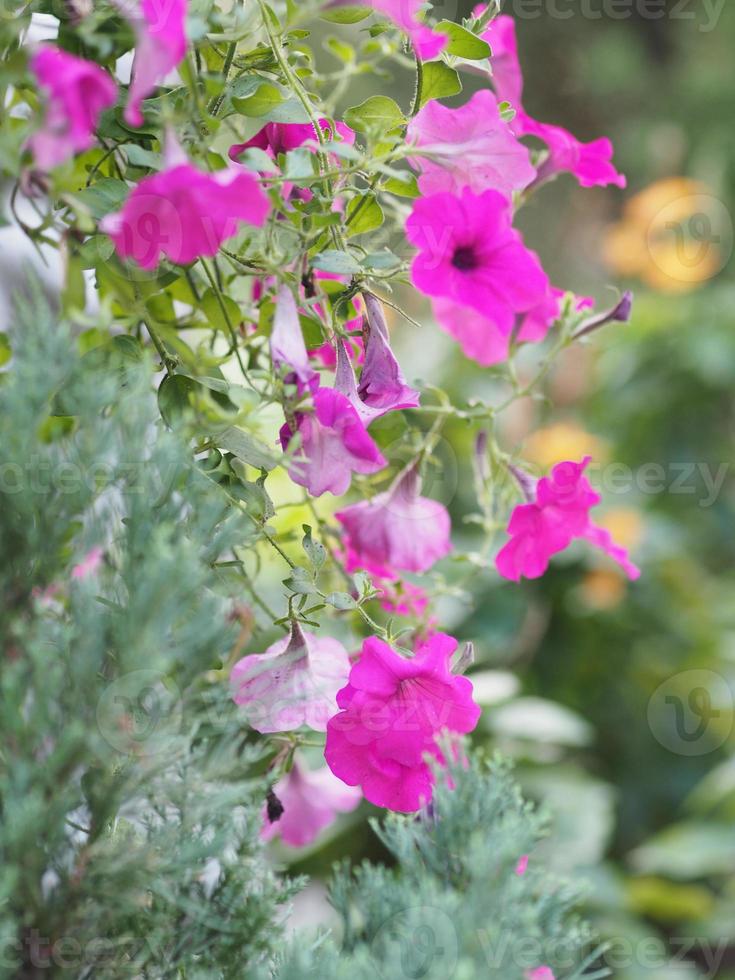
{"points": [[591, 163], [334, 445], [398, 529], [392, 711], [293, 683], [78, 92], [470, 253], [471, 146], [540, 973], [160, 30], [548, 525], [522, 866], [184, 214], [276, 138], [483, 341], [311, 801], [404, 14]]}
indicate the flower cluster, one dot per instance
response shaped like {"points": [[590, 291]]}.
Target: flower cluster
{"points": [[306, 321]]}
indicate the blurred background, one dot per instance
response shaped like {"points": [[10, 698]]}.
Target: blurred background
{"points": [[616, 700]]}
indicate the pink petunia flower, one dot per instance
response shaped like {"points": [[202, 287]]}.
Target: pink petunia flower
{"points": [[382, 386], [483, 341], [89, 565], [392, 711], [334, 445], [470, 253], [398, 529], [591, 163], [311, 801], [293, 683], [471, 146], [540, 973], [160, 30], [549, 524], [288, 349], [522, 865], [277, 138], [184, 214], [78, 92], [404, 14]]}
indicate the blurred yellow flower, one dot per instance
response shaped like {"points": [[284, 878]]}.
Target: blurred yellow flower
{"points": [[603, 588], [563, 440], [675, 236], [625, 524]]}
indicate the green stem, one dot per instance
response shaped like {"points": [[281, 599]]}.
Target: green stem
{"points": [[416, 105], [221, 303]]}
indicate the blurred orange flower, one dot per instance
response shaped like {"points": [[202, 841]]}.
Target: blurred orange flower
{"points": [[675, 236]]}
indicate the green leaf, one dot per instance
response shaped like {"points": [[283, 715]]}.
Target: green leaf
{"points": [[346, 15], [266, 98], [173, 397], [368, 215], [301, 581], [378, 114], [212, 310], [335, 261], [246, 448], [439, 82], [463, 43], [341, 600], [402, 188], [340, 49], [102, 198], [315, 550]]}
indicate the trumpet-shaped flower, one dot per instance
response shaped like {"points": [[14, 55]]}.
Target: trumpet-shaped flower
{"points": [[311, 800], [382, 386], [160, 29], [184, 214], [470, 253], [397, 529], [392, 711], [471, 146], [334, 445], [78, 91], [549, 524], [288, 349], [293, 683]]}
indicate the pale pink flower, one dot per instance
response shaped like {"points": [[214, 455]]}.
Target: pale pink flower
{"points": [[185, 214], [549, 524], [160, 31], [382, 387], [471, 146], [77, 91], [293, 683], [334, 445], [591, 163], [392, 710], [311, 801], [470, 253], [89, 565], [288, 349], [398, 529]]}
